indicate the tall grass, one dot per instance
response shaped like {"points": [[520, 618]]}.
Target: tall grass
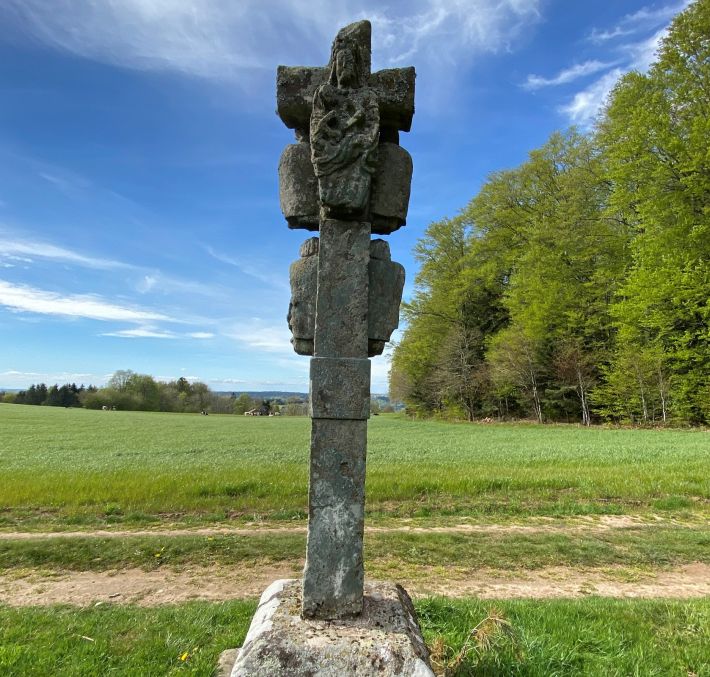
{"points": [[75, 466], [593, 637]]}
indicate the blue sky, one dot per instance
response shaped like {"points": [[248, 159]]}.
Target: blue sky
{"points": [[139, 218]]}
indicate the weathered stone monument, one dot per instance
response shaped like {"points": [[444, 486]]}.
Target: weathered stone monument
{"points": [[346, 177]]}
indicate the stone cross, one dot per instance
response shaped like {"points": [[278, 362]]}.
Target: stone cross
{"points": [[346, 177]]}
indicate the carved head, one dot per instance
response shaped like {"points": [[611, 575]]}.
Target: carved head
{"points": [[350, 56]]}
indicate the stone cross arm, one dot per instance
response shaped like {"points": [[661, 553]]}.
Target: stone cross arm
{"points": [[296, 85]]}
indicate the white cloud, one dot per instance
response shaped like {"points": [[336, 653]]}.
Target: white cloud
{"points": [[16, 249], [585, 105], [29, 299], [157, 282], [22, 379], [256, 269], [258, 335], [638, 55], [153, 332], [230, 381], [567, 75], [222, 40], [443, 30], [598, 36], [380, 370], [142, 332], [643, 53], [644, 19]]}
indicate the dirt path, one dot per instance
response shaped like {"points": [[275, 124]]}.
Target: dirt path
{"points": [[149, 588], [586, 524]]}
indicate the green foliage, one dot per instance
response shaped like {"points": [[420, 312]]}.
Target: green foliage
{"points": [[578, 283], [243, 403], [656, 136], [128, 391]]}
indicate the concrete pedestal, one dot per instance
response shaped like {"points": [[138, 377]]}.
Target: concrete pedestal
{"points": [[384, 640]]}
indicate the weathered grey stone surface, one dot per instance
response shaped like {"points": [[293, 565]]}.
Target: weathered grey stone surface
{"points": [[225, 663], [386, 282], [298, 187], [385, 640], [341, 303], [296, 85], [340, 388], [334, 572], [386, 285], [349, 119], [391, 186], [301, 316], [391, 181]]}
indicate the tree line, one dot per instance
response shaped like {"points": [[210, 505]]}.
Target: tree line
{"points": [[576, 286], [127, 390]]}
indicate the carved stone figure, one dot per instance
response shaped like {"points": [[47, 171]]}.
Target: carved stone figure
{"points": [[345, 128], [386, 168], [386, 281]]}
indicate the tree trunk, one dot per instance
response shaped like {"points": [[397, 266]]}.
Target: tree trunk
{"points": [[644, 406], [586, 419], [536, 398]]}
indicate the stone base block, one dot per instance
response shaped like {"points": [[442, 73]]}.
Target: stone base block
{"points": [[384, 640]]}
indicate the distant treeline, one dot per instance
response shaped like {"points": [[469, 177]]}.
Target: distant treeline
{"points": [[128, 391], [576, 286]]}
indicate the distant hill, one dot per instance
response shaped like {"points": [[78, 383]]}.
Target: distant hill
{"points": [[263, 394], [282, 395]]}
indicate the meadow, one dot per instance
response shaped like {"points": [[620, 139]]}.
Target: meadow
{"points": [[72, 467], [223, 500]]}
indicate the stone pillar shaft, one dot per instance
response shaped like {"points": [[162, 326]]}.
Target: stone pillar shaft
{"points": [[339, 401]]}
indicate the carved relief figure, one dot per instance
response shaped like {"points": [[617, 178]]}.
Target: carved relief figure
{"points": [[344, 129]]}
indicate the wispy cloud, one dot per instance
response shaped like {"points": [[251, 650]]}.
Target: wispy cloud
{"points": [[566, 75], [158, 282], [151, 332], [15, 378], [258, 335], [636, 54], [142, 332], [585, 105], [223, 40], [379, 376], [258, 270], [441, 30], [647, 18], [643, 53], [67, 183], [12, 248], [29, 299]]}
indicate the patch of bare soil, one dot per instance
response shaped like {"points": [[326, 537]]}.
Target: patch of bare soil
{"points": [[587, 524], [149, 588]]}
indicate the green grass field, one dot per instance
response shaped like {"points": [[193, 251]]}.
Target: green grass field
{"points": [[539, 496], [62, 467], [593, 637]]}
